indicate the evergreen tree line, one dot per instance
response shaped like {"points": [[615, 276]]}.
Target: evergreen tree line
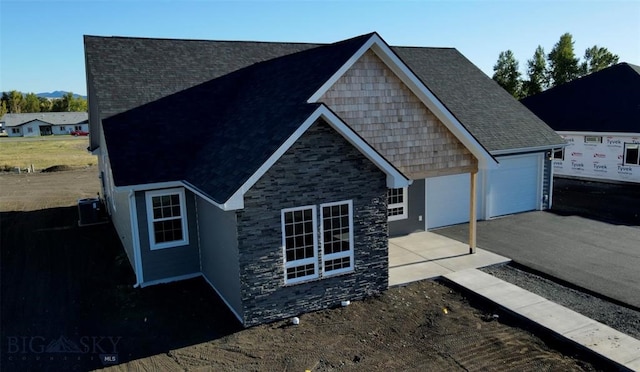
{"points": [[548, 70], [15, 102]]}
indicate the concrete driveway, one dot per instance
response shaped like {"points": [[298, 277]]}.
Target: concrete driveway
{"points": [[598, 256]]}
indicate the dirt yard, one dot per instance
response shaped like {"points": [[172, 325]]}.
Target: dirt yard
{"points": [[68, 304]]}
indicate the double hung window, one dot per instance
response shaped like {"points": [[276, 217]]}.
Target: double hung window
{"points": [[167, 218], [632, 154], [397, 204]]}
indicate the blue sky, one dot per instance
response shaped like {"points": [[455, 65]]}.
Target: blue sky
{"points": [[41, 41]]}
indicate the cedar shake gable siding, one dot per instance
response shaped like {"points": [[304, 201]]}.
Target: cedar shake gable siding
{"points": [[371, 99], [321, 167]]}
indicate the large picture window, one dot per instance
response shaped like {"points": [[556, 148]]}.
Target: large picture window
{"points": [[309, 245], [632, 154], [167, 218], [397, 204]]}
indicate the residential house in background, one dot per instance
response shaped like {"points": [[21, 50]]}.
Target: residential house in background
{"points": [[599, 117], [44, 123], [277, 171]]}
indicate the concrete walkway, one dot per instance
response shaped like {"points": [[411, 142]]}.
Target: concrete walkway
{"points": [[599, 338], [425, 255]]}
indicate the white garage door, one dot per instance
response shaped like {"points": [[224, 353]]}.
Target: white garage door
{"points": [[514, 187], [447, 199]]}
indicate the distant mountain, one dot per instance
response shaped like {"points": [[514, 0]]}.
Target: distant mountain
{"points": [[57, 94]]}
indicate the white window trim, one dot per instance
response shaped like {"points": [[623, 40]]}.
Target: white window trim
{"points": [[592, 139], [333, 256], [404, 205], [557, 151], [312, 260], [149, 195], [624, 149]]}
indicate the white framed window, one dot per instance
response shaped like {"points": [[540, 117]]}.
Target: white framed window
{"points": [[299, 244], [167, 218], [592, 139], [397, 204], [62, 128], [78, 127], [632, 154], [558, 154], [29, 130], [15, 130], [337, 237], [307, 244]]}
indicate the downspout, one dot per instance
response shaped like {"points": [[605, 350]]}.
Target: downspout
{"points": [[550, 202], [135, 239]]}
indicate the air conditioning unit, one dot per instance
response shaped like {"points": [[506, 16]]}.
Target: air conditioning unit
{"points": [[89, 211]]}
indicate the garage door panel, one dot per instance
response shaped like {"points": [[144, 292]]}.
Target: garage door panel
{"points": [[513, 187], [448, 199]]}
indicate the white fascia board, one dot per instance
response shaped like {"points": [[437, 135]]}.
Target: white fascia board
{"points": [[149, 186], [528, 149], [341, 71], [229, 205], [395, 179], [606, 134], [384, 52]]}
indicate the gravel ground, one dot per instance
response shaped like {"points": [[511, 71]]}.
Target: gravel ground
{"points": [[624, 319]]}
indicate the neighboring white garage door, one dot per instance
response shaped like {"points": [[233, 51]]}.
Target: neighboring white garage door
{"points": [[447, 199], [514, 186]]}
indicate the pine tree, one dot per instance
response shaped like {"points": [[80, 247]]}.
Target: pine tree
{"points": [[537, 74], [563, 64], [506, 73]]}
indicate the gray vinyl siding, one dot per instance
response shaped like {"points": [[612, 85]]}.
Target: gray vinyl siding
{"points": [[320, 167], [122, 222], [167, 263], [415, 219], [219, 251]]}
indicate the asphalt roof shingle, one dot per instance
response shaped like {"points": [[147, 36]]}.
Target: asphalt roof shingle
{"points": [[604, 101], [491, 114], [54, 118], [171, 107], [235, 122]]}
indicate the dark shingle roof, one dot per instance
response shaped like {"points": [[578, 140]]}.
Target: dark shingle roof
{"points": [[604, 101], [54, 118], [184, 103], [129, 72], [493, 116], [216, 134]]}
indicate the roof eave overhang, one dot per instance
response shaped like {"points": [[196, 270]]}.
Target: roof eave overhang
{"points": [[596, 133], [523, 150], [394, 178], [229, 205], [393, 62]]}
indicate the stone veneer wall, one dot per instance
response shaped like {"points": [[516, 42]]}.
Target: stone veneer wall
{"points": [[320, 167], [378, 105]]}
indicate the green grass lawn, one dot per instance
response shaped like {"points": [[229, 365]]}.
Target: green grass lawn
{"points": [[44, 152]]}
